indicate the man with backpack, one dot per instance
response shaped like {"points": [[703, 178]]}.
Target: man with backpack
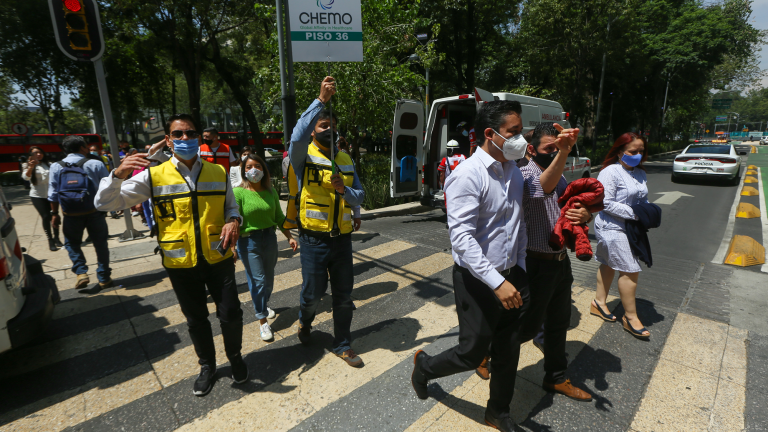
{"points": [[72, 186]]}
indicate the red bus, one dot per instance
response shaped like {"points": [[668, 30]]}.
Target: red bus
{"points": [[14, 146], [273, 140]]}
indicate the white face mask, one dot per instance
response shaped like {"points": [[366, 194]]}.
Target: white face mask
{"points": [[514, 146], [254, 175], [244, 157]]}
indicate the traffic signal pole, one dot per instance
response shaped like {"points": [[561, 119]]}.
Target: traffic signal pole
{"points": [[130, 233]]}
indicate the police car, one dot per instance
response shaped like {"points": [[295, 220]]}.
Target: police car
{"points": [[412, 142], [714, 159], [27, 295]]}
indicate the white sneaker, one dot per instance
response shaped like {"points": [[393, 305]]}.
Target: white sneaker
{"points": [[134, 213], [266, 332], [270, 313]]}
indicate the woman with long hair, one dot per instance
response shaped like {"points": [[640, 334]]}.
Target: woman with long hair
{"points": [[624, 179], [261, 211], [36, 170]]}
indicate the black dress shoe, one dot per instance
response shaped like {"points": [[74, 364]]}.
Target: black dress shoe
{"points": [[204, 381], [500, 421], [239, 370], [418, 380]]}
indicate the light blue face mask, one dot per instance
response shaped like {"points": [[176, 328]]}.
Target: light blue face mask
{"points": [[632, 160], [95, 153], [186, 149]]}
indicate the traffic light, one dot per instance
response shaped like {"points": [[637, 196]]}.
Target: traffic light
{"points": [[77, 28]]}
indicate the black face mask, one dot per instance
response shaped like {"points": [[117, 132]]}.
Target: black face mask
{"points": [[545, 160], [208, 141], [324, 138]]}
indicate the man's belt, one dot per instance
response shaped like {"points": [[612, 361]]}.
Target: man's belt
{"points": [[559, 256], [322, 234]]}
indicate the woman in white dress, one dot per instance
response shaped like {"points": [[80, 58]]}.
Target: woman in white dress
{"points": [[623, 177]]}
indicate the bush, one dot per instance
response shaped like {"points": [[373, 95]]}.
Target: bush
{"points": [[374, 173]]}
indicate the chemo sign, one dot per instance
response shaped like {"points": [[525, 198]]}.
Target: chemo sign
{"points": [[326, 30]]}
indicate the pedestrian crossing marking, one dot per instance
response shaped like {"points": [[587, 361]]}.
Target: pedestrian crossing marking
{"points": [[696, 383], [311, 387]]}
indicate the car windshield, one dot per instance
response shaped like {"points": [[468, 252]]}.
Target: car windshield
{"points": [[712, 149]]}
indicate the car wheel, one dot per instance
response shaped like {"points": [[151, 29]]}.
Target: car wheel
{"points": [[736, 179], [675, 179]]}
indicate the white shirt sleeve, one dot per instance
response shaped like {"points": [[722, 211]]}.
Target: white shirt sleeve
{"points": [[117, 194], [232, 156], [463, 210]]}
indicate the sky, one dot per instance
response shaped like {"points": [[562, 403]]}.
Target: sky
{"points": [[759, 19]]}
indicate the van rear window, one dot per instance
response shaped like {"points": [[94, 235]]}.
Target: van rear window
{"points": [[409, 121]]}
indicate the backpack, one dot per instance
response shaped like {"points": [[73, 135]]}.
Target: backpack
{"points": [[75, 195]]}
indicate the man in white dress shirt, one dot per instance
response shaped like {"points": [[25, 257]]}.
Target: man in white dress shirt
{"points": [[488, 238]]}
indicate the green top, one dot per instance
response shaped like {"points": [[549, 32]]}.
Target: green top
{"points": [[259, 210]]}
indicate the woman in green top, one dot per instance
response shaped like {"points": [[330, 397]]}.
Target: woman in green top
{"points": [[260, 208]]}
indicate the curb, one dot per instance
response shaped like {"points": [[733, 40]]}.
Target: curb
{"points": [[416, 207]]}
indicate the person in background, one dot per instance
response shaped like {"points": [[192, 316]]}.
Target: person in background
{"points": [[124, 148], [195, 245], [36, 171], [488, 239], [235, 177], [82, 177], [286, 163], [214, 151], [328, 187], [259, 206], [464, 129], [625, 182], [451, 161]]}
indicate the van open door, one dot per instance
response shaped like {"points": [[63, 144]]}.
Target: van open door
{"points": [[407, 148], [482, 96]]}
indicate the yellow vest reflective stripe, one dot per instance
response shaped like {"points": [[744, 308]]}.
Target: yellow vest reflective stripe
{"points": [[189, 222], [321, 209]]}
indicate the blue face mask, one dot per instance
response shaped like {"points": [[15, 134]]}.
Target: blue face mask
{"points": [[632, 160], [186, 149]]}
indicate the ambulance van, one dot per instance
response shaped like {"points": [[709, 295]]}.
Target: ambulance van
{"points": [[417, 150]]}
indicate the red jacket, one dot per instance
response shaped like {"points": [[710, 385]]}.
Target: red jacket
{"points": [[589, 193]]}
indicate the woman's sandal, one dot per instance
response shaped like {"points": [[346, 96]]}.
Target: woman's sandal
{"points": [[597, 311], [636, 333]]}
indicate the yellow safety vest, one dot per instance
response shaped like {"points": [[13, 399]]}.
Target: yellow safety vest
{"points": [[189, 221], [321, 209]]}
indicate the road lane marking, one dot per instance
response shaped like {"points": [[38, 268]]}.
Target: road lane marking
{"points": [[763, 217], [670, 197], [27, 359], [725, 243], [174, 367]]}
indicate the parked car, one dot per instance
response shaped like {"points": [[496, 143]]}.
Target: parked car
{"points": [[27, 295]]}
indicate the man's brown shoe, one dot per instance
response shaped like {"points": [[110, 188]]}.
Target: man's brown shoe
{"points": [[82, 281], [303, 334], [351, 358], [568, 389], [482, 370], [107, 284]]}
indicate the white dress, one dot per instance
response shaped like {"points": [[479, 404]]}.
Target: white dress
{"points": [[623, 189]]}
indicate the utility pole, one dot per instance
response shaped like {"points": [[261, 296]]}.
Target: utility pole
{"points": [[286, 71]]}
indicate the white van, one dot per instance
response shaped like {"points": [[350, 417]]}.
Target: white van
{"points": [[428, 145]]}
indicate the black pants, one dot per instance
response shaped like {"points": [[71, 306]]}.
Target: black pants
{"points": [[484, 323], [189, 285], [43, 207], [550, 287]]}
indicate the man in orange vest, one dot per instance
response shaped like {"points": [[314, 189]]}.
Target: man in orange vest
{"points": [[215, 152]]}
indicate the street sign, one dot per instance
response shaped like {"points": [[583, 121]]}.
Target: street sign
{"points": [[707, 131], [77, 27], [19, 128], [721, 103], [326, 30], [721, 118]]}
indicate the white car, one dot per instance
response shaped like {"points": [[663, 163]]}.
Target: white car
{"points": [[27, 295], [764, 140], [707, 160]]}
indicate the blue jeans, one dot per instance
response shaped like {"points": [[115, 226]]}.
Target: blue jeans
{"points": [[321, 257], [259, 254], [96, 224]]}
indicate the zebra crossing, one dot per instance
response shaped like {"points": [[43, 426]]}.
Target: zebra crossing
{"points": [[122, 360]]}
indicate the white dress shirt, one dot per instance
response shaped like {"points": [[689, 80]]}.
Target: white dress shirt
{"points": [[117, 194], [485, 217]]}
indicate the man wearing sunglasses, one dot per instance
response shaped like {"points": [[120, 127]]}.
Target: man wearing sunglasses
{"points": [[198, 223]]}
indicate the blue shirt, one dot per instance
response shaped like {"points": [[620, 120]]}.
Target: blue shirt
{"points": [[300, 142], [94, 169]]}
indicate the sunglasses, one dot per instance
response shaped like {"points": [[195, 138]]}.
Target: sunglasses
{"points": [[191, 134]]}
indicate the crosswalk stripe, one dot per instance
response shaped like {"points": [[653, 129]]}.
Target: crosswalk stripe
{"points": [[181, 364], [302, 393], [24, 360], [465, 411]]}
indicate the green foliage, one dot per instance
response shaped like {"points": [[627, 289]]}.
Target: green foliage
{"points": [[373, 170]]}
